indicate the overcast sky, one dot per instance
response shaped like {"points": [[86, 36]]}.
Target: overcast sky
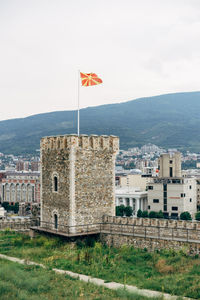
{"points": [[137, 47]]}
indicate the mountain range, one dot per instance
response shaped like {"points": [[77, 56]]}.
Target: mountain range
{"points": [[170, 120]]}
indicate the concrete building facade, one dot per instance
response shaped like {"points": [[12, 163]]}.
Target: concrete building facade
{"points": [[77, 179], [133, 197], [169, 165], [134, 180], [172, 196]]}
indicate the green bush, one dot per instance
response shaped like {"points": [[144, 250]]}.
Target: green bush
{"points": [[139, 213], [145, 214], [160, 215], [128, 211], [185, 216], [120, 211], [124, 211], [9, 207], [197, 216], [153, 214]]}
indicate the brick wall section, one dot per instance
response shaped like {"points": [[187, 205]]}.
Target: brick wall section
{"points": [[85, 167]]}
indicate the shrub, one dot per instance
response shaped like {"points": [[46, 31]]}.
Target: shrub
{"points": [[145, 214], [128, 211], [124, 211], [160, 215], [120, 211], [152, 214], [163, 268], [197, 216], [139, 213], [185, 216]]}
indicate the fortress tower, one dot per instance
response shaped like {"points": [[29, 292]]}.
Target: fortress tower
{"points": [[77, 179]]}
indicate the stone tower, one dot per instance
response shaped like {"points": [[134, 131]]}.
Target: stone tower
{"points": [[77, 179]]}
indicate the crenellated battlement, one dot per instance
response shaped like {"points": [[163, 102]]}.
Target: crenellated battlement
{"points": [[92, 142]]}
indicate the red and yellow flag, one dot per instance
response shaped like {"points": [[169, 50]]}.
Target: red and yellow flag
{"points": [[90, 79]]}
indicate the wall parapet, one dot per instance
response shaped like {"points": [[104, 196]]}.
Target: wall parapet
{"points": [[182, 224], [92, 142], [17, 224]]}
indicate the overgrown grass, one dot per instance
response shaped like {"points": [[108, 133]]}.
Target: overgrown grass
{"points": [[19, 282], [166, 271]]}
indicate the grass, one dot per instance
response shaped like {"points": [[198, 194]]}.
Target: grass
{"points": [[19, 282], [166, 271]]}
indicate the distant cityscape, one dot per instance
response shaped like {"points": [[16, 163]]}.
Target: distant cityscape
{"points": [[136, 170]]}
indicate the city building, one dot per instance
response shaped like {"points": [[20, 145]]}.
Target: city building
{"points": [[169, 165], [133, 197], [20, 187], [133, 180], [170, 192]]}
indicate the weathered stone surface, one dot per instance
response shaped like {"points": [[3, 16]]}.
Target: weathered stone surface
{"points": [[85, 169]]}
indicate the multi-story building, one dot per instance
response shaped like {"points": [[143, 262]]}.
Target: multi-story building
{"points": [[133, 197], [172, 196], [170, 192], [169, 165], [21, 187]]}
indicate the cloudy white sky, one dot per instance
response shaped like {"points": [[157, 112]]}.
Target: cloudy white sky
{"points": [[138, 47]]}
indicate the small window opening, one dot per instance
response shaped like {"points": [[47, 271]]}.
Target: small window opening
{"points": [[56, 221], [55, 183]]}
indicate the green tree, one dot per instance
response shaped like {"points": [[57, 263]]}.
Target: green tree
{"points": [[185, 216], [152, 214], [197, 216], [139, 213], [160, 215], [120, 210], [145, 214], [128, 211]]}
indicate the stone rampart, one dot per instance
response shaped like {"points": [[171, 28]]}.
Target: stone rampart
{"points": [[92, 142], [17, 224], [152, 234]]}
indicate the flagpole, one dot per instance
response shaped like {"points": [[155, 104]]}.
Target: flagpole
{"points": [[78, 112]]}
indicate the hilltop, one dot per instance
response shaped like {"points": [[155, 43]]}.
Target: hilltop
{"points": [[170, 120]]}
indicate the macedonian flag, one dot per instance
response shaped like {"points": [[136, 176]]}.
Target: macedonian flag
{"points": [[90, 79]]}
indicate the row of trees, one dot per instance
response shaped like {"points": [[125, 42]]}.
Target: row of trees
{"points": [[127, 211], [8, 207]]}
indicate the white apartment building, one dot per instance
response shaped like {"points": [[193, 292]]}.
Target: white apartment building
{"points": [[172, 196], [133, 197], [170, 192]]}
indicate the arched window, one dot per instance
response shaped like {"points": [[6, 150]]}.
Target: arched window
{"points": [[7, 190], [55, 221], [12, 189], [55, 183], [23, 187], [29, 190], [18, 191]]}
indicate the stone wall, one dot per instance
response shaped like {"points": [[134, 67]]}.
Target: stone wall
{"points": [[151, 244], [85, 168], [152, 233], [17, 224]]}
